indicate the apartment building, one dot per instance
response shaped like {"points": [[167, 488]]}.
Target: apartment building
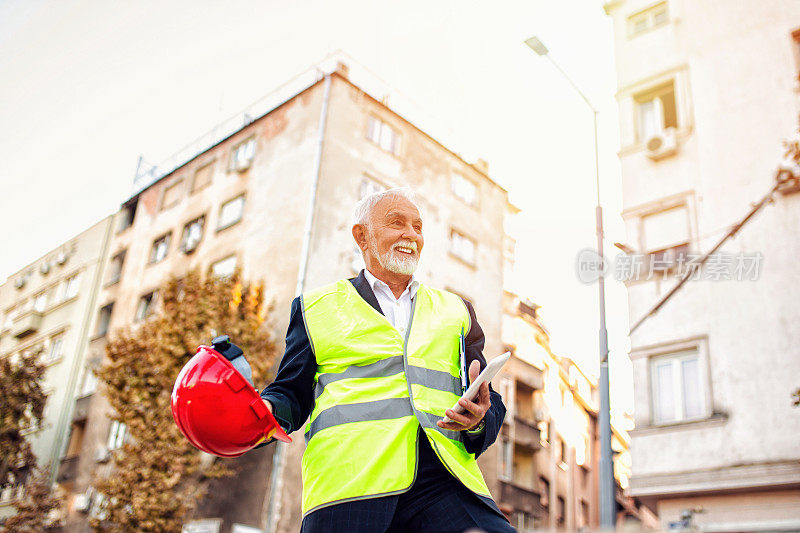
{"points": [[549, 447], [707, 92], [48, 307], [273, 197]]}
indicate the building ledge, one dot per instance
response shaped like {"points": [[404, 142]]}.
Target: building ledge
{"points": [[734, 478], [716, 419]]}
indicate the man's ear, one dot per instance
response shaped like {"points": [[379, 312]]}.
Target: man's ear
{"points": [[360, 235]]}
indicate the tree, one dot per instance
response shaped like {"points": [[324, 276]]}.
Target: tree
{"points": [[22, 406], [158, 476]]}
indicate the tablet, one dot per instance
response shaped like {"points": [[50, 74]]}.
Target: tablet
{"points": [[488, 373]]}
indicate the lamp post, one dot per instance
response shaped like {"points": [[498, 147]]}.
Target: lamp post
{"points": [[606, 468]]}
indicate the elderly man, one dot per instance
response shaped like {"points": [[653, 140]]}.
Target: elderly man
{"points": [[375, 362]]}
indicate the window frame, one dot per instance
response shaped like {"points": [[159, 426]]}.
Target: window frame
{"points": [[656, 93], [220, 225], [115, 277], [475, 189], [645, 354], [208, 165], [174, 186], [167, 237], [226, 258], [232, 161], [648, 15], [376, 130], [102, 331], [678, 386], [70, 282], [185, 234], [140, 315], [472, 263]]}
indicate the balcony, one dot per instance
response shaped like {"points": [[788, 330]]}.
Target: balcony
{"points": [[81, 411], [26, 324], [68, 469], [527, 434], [521, 499]]}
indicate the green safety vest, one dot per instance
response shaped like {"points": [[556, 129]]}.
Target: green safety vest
{"points": [[374, 388]]}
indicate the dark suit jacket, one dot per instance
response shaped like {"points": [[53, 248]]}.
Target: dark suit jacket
{"points": [[292, 392]]}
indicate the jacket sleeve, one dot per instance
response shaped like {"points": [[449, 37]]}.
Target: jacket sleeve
{"points": [[292, 392], [474, 341]]}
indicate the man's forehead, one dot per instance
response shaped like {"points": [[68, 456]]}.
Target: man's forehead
{"points": [[396, 206]]}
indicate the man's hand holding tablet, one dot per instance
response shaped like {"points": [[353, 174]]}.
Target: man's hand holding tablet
{"points": [[473, 404]]}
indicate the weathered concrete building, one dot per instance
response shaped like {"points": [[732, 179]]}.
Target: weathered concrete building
{"points": [[49, 306], [707, 92], [274, 198], [548, 451]]}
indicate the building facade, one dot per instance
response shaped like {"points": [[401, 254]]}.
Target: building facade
{"points": [[548, 451], [707, 91], [274, 198], [48, 306]]}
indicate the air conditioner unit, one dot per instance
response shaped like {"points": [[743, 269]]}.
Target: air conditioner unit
{"points": [[61, 258], [102, 454], [20, 282], [662, 144], [242, 164], [44, 268], [82, 502]]}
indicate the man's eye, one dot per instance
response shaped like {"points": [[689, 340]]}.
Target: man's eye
{"points": [[418, 228]]}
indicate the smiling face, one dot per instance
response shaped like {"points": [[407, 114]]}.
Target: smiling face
{"points": [[392, 239]]}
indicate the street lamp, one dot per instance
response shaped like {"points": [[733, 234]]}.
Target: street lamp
{"points": [[606, 473]]}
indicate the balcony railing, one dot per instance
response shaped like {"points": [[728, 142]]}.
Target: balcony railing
{"points": [[27, 324], [68, 469], [521, 499], [527, 434]]}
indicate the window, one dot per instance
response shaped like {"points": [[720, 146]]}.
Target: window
{"points": [[104, 319], [8, 320], [524, 522], [464, 189], [545, 496], [192, 234], [160, 248], [115, 267], [656, 110], [562, 451], [560, 510], [89, 385], [242, 155], [506, 456], [40, 302], [116, 435], [462, 247], [583, 518], [369, 186], [665, 237], [203, 177], [231, 212], [678, 392], [56, 349], [650, 18], [127, 213], [172, 194], [225, 267], [383, 135], [146, 304], [70, 287]]}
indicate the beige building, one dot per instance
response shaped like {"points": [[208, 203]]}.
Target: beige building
{"points": [[273, 196], [548, 451], [48, 306], [707, 92]]}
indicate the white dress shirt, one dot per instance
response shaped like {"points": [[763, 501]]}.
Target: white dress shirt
{"points": [[396, 310]]}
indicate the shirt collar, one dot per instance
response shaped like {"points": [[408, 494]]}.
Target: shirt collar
{"points": [[374, 283]]}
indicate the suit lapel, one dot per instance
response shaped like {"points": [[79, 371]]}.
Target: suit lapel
{"points": [[365, 291]]}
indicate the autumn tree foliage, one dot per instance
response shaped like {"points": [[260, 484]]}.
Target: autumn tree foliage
{"points": [[22, 401], [157, 476]]}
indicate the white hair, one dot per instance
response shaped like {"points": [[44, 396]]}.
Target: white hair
{"points": [[362, 210]]}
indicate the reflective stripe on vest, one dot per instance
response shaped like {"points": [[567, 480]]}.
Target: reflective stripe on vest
{"points": [[374, 388]]}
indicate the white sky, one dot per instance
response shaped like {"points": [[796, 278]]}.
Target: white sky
{"points": [[87, 86]]}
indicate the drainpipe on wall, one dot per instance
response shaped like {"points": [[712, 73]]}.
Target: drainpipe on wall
{"points": [[278, 457]]}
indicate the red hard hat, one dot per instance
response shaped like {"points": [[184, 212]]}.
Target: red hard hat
{"points": [[218, 410]]}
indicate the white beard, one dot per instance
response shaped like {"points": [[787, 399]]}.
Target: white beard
{"points": [[393, 261]]}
